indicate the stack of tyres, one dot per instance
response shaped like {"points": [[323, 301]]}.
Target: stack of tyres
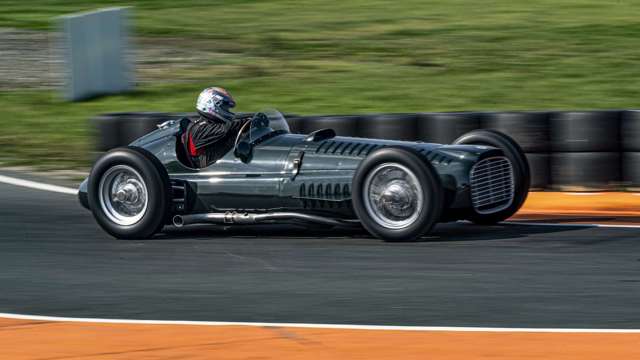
{"points": [[106, 131], [344, 125], [630, 137], [120, 129], [139, 124], [444, 128], [585, 150], [388, 126], [295, 123], [531, 131]]}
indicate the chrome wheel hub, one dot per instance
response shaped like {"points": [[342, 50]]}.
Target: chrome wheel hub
{"points": [[123, 195], [393, 196]]}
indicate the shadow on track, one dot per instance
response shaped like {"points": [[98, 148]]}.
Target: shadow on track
{"points": [[447, 232]]}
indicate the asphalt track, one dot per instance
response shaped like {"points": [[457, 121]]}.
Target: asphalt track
{"points": [[54, 260]]}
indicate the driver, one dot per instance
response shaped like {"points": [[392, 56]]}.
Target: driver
{"points": [[213, 134]]}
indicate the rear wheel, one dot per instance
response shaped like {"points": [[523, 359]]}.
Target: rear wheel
{"points": [[519, 164], [396, 194], [128, 193]]}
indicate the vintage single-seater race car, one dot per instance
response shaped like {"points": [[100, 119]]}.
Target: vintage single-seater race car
{"points": [[396, 190]]}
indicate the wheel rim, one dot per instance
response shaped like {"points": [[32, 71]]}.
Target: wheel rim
{"points": [[393, 196], [123, 195]]}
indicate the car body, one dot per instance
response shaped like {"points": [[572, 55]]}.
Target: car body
{"points": [[310, 178]]}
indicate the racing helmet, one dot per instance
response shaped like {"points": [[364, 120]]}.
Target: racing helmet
{"points": [[215, 103]]}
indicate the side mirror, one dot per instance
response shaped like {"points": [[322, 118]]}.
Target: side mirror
{"points": [[243, 151]]}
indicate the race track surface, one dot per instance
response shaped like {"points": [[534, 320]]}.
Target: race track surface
{"points": [[55, 260]]}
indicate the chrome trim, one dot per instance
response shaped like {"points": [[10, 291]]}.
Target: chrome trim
{"points": [[492, 185], [393, 195], [122, 194], [166, 124], [256, 218]]}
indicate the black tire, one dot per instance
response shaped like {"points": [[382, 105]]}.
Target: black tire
{"points": [[343, 125], [389, 126], [120, 129], [529, 129], [631, 169], [540, 167], [585, 171], [521, 172], [295, 124], [136, 125], [427, 215], [630, 131], [443, 128], [588, 131], [157, 184], [106, 132]]}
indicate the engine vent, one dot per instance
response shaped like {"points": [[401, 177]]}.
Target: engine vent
{"points": [[346, 148], [492, 185], [178, 195]]}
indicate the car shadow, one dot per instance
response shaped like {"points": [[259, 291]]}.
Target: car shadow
{"points": [[445, 232], [466, 231]]}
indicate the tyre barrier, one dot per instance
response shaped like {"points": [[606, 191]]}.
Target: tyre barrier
{"points": [[539, 165], [631, 170], [529, 129], [388, 126], [630, 130], [106, 131], [566, 150], [295, 124], [585, 171], [120, 129], [344, 125], [444, 128], [132, 126], [585, 131]]}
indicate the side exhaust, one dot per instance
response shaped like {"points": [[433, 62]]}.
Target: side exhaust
{"points": [[230, 218]]}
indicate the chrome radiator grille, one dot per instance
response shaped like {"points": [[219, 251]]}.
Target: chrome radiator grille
{"points": [[492, 185]]}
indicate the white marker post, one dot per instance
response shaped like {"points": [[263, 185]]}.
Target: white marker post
{"points": [[96, 53]]}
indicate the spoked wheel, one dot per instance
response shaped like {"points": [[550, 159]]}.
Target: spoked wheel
{"points": [[128, 193], [396, 194]]}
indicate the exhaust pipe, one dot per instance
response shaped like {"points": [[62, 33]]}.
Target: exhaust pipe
{"points": [[177, 221], [229, 218]]}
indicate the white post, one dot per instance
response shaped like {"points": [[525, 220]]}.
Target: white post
{"points": [[96, 48]]}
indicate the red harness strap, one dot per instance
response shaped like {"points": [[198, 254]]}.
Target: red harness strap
{"points": [[192, 148]]}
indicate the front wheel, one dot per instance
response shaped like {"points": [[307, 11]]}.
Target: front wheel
{"points": [[397, 195], [128, 193], [519, 164]]}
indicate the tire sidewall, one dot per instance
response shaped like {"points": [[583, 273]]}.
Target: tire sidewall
{"points": [[157, 185], [521, 171], [428, 179]]}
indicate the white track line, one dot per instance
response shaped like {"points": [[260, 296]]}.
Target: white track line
{"points": [[37, 185], [621, 226], [315, 326]]}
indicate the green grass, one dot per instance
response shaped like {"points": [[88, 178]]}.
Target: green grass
{"points": [[351, 57]]}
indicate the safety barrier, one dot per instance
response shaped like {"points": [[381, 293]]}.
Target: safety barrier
{"points": [[567, 150]]}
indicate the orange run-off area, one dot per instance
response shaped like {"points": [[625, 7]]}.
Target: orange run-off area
{"points": [[585, 203], [26, 339], [30, 339]]}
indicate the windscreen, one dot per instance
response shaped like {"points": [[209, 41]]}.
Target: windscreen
{"points": [[277, 121]]}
